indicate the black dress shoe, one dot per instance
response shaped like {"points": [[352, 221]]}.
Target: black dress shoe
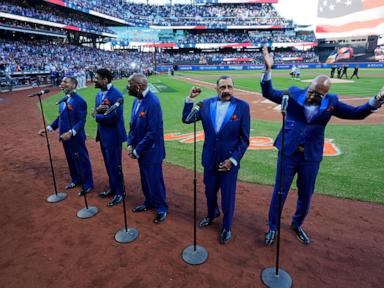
{"points": [[301, 235], [86, 191], [106, 194], [71, 185], [225, 236], [115, 200], [270, 237], [205, 222], [141, 208], [160, 217]]}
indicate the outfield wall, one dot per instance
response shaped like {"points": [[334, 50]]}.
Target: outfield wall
{"points": [[164, 68]]}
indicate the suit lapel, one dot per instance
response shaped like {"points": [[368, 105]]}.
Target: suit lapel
{"points": [[213, 106], [134, 105], [141, 108], [323, 106], [228, 115], [302, 97], [63, 105]]}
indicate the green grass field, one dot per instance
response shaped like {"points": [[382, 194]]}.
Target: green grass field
{"points": [[356, 174]]}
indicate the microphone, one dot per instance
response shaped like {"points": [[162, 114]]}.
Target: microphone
{"points": [[114, 106], [45, 91], [284, 102], [194, 111], [64, 99]]}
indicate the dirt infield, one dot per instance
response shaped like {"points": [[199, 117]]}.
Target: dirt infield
{"points": [[46, 245], [264, 109]]}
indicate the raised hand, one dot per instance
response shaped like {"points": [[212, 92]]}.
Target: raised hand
{"points": [[195, 91], [268, 58], [380, 95]]}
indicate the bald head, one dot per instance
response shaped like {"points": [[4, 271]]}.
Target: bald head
{"points": [[138, 78], [321, 84], [137, 83], [318, 88]]}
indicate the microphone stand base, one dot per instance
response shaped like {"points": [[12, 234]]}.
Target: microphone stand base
{"points": [[195, 257], [271, 280], [57, 197], [126, 236], [87, 213]]}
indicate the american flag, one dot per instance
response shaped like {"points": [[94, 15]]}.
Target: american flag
{"points": [[345, 18]]}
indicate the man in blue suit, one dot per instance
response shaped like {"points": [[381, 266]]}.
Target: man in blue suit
{"points": [[70, 122], [111, 133], [146, 144], [226, 124], [308, 113]]}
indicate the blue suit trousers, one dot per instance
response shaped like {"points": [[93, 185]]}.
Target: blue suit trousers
{"points": [[82, 174], [112, 160], [152, 184], [306, 177], [226, 182]]}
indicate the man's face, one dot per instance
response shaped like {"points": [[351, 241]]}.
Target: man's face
{"points": [[134, 88], [225, 89], [66, 85], [316, 93], [100, 82]]}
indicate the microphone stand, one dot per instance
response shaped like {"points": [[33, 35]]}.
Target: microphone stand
{"points": [[275, 277], [58, 196], [194, 254], [86, 212], [124, 235]]}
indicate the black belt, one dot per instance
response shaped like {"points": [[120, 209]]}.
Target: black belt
{"points": [[300, 148]]}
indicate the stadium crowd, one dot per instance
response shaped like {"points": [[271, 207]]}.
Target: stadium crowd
{"points": [[15, 56], [185, 14], [216, 58], [30, 26], [214, 37], [53, 15], [287, 36], [241, 37]]}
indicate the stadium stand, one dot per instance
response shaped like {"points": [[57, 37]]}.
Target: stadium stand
{"points": [[71, 37]]}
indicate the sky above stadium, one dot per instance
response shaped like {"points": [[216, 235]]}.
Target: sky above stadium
{"points": [[302, 12]]}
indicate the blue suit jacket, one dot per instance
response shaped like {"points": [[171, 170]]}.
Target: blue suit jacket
{"points": [[231, 140], [146, 133], [76, 118], [109, 124], [311, 134]]}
